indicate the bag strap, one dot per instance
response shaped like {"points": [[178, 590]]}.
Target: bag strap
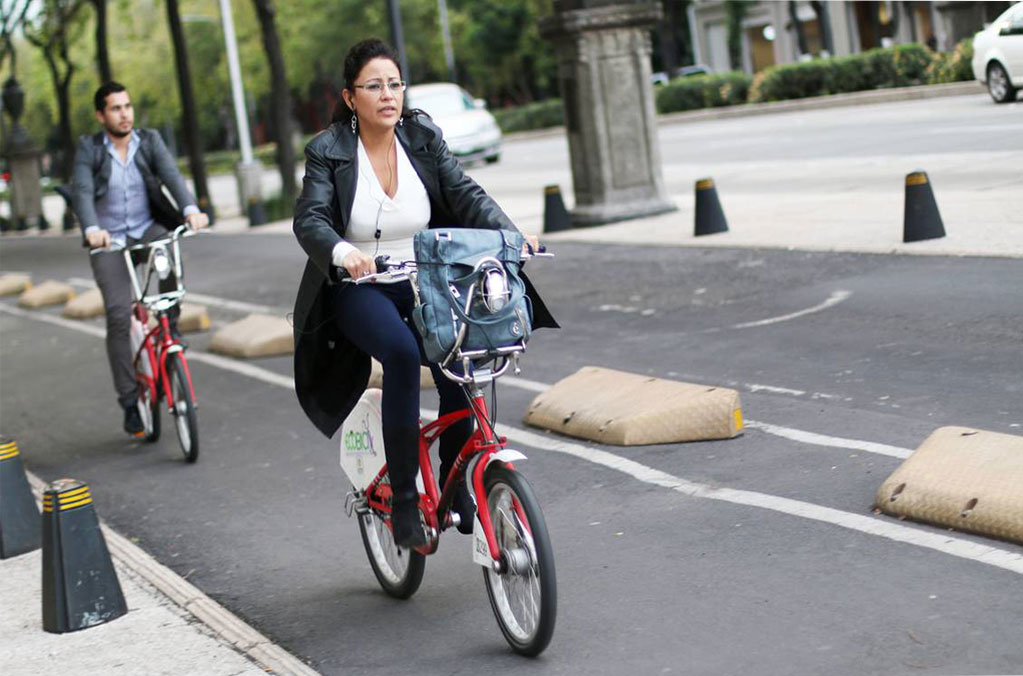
{"points": [[509, 308]]}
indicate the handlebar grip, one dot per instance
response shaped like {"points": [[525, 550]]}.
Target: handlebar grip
{"points": [[380, 263]]}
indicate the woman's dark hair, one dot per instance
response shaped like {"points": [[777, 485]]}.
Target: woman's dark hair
{"points": [[358, 56]]}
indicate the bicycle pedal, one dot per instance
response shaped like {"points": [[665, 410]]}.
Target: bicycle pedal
{"points": [[355, 503]]}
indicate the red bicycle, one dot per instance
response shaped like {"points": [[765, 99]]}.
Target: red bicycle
{"points": [[161, 366], [510, 539]]}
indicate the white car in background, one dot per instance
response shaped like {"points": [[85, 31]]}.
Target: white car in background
{"points": [[469, 129], [998, 55]]}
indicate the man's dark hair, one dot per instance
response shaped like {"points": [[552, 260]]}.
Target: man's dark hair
{"points": [[358, 56], [105, 90]]}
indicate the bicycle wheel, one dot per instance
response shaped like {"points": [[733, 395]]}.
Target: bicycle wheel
{"points": [[149, 411], [399, 571], [524, 596], [185, 417]]}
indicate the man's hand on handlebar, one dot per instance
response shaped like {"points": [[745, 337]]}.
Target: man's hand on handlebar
{"points": [[359, 264], [197, 220], [98, 239]]}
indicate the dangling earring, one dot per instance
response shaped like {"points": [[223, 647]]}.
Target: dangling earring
{"points": [[401, 120], [354, 122]]}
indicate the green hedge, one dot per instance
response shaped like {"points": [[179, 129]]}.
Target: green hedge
{"points": [[540, 115], [702, 91], [899, 66], [954, 67]]}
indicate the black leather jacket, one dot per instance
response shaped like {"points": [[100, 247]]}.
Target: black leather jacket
{"points": [[331, 373]]}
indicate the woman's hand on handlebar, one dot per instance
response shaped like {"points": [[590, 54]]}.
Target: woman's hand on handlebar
{"points": [[359, 264], [530, 246]]}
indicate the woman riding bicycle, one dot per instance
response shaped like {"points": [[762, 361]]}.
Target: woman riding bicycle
{"points": [[376, 176]]}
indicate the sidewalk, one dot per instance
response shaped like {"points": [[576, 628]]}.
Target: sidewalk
{"points": [[171, 627]]}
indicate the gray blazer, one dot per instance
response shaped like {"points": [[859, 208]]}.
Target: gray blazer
{"points": [[331, 373], [91, 177]]}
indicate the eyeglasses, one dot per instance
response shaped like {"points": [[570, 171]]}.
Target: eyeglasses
{"points": [[377, 88]]}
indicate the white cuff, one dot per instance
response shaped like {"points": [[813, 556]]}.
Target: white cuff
{"points": [[92, 228], [189, 210], [341, 249]]}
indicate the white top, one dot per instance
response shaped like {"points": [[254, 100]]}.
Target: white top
{"points": [[397, 218]]}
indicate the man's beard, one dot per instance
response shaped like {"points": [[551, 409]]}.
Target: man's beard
{"points": [[117, 132]]}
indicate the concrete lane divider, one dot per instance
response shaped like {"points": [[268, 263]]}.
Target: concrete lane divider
{"points": [[14, 283], [84, 306], [50, 292], [376, 376], [193, 318], [19, 516], [80, 586], [961, 478], [255, 336], [629, 409]]}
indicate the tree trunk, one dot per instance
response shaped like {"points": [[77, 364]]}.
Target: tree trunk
{"points": [[190, 122], [281, 98], [669, 48], [66, 141], [102, 54]]}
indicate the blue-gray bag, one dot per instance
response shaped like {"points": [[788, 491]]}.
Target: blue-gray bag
{"points": [[450, 262]]}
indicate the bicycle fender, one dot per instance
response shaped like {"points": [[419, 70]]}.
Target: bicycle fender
{"points": [[506, 455]]}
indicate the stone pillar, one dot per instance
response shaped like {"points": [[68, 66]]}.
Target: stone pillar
{"points": [[603, 50], [23, 160]]}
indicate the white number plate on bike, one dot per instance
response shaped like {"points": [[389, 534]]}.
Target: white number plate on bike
{"points": [[362, 441], [480, 548]]}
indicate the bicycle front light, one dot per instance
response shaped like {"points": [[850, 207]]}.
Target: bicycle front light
{"points": [[161, 262], [495, 289]]}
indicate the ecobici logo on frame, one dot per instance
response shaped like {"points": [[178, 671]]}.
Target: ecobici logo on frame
{"points": [[360, 442]]}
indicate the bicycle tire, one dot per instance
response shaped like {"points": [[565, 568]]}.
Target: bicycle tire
{"points": [[183, 408], [527, 623], [399, 571]]}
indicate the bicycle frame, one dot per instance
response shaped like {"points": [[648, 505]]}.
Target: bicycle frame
{"points": [[157, 343]]}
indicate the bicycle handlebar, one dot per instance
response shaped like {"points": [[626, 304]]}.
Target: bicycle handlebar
{"points": [[180, 232], [399, 270]]}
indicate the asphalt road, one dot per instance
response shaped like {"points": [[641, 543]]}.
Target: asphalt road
{"points": [[650, 580]]}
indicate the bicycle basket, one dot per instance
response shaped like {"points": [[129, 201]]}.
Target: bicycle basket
{"points": [[470, 288]]}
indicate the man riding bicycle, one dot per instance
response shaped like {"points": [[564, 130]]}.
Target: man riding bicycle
{"points": [[117, 195]]}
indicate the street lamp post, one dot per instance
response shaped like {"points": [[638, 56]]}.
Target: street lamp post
{"points": [[445, 32], [248, 171]]}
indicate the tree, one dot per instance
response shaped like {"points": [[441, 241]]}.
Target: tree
{"points": [[53, 30], [190, 121], [280, 98], [735, 10], [102, 54]]}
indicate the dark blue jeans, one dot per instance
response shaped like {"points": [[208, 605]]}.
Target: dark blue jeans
{"points": [[377, 318]]}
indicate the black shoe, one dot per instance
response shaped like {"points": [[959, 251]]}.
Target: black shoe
{"points": [[406, 526], [466, 508], [133, 422]]}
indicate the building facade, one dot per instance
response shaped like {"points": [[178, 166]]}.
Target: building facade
{"points": [[767, 33]]}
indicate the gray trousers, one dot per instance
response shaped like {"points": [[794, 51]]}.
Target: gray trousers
{"points": [[111, 274]]}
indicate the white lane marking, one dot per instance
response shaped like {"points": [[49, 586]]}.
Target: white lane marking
{"points": [[1000, 558], [834, 299], [753, 387], [524, 384], [75, 325], [815, 439], [992, 556], [215, 301]]}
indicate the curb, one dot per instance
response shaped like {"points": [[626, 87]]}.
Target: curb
{"points": [[863, 98], [220, 621]]}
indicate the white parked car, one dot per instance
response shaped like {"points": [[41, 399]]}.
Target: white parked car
{"points": [[469, 129], [998, 55]]}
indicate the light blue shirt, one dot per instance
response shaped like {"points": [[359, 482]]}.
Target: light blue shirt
{"points": [[124, 210]]}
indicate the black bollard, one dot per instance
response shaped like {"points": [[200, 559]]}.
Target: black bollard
{"points": [[19, 516], [257, 212], [710, 217], [921, 220], [80, 586], [555, 216]]}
